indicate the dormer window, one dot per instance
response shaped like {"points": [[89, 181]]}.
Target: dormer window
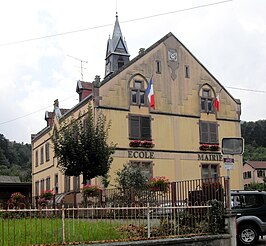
{"points": [[138, 93], [120, 62], [206, 101]]}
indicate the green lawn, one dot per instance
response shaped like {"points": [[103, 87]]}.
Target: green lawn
{"points": [[25, 231]]}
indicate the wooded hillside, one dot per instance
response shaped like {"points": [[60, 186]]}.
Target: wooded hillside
{"points": [[15, 159], [254, 134]]}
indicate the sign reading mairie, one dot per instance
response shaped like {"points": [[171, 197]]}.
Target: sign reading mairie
{"points": [[141, 154], [210, 157]]}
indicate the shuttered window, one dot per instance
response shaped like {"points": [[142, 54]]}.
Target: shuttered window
{"points": [[208, 132], [47, 152], [139, 127]]}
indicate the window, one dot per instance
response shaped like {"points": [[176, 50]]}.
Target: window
{"points": [[37, 188], [206, 101], [42, 185], [209, 171], [247, 175], [208, 132], [158, 67], [56, 183], [139, 127], [48, 184], [145, 167], [36, 158], [76, 183], [67, 183], [42, 156], [261, 173], [138, 93], [47, 152], [120, 62], [244, 201], [187, 71]]}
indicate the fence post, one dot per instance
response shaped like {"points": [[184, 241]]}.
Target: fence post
{"points": [[63, 224], [148, 220]]}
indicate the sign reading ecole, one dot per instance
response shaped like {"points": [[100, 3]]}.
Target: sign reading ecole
{"points": [[141, 154], [150, 155]]}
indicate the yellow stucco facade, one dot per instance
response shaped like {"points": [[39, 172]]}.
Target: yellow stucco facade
{"points": [[184, 91]]}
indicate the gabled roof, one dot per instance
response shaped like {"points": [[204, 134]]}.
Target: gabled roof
{"points": [[256, 164], [109, 77], [9, 179]]}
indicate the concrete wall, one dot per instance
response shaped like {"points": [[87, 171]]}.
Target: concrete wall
{"points": [[216, 240]]}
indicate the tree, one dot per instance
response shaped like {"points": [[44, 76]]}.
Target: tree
{"points": [[81, 146], [131, 177]]}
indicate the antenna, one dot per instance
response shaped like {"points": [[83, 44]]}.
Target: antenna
{"points": [[81, 65]]}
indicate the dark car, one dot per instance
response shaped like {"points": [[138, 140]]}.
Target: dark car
{"points": [[250, 210]]}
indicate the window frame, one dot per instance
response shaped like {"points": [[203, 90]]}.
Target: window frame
{"points": [[187, 72], [56, 181], [47, 151], [67, 183], [247, 175], [210, 174], [260, 173], [42, 186], [140, 164], [36, 158], [138, 94], [48, 183], [209, 136], [206, 100], [144, 132], [37, 188], [42, 156], [76, 183], [158, 66]]}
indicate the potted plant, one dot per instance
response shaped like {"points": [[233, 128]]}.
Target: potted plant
{"points": [[211, 147], [204, 147], [158, 184], [91, 190], [147, 144], [214, 147], [16, 200], [17, 197], [134, 143], [47, 194]]}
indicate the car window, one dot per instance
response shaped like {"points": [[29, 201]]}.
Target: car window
{"points": [[252, 201], [246, 201]]}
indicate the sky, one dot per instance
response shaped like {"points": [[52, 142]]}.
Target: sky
{"points": [[43, 43]]}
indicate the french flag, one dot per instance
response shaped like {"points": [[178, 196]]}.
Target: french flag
{"points": [[150, 94]]}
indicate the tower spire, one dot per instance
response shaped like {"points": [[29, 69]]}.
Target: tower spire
{"points": [[117, 52]]}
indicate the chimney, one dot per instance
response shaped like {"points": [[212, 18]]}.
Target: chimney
{"points": [[83, 89], [141, 51], [97, 80], [49, 118], [57, 109]]}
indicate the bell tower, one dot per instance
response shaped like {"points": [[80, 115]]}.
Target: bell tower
{"points": [[116, 53]]}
